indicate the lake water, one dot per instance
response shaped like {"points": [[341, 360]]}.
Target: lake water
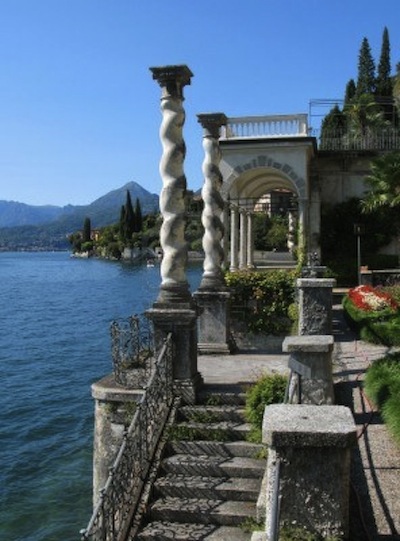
{"points": [[55, 313]]}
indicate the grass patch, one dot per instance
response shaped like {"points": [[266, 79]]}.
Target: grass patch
{"points": [[202, 416], [184, 432], [290, 533], [251, 525], [213, 400], [382, 386]]}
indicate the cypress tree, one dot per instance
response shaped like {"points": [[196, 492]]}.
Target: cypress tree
{"points": [[129, 217], [366, 70], [333, 127], [122, 224], [138, 216], [350, 91], [384, 85], [87, 230]]}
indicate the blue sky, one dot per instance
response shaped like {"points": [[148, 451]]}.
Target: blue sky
{"points": [[79, 111]]}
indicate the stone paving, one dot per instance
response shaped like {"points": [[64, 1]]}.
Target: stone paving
{"points": [[375, 495]]}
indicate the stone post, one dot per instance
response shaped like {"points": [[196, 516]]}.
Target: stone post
{"points": [[309, 451], [315, 305], [311, 359], [213, 296], [234, 238], [174, 311]]}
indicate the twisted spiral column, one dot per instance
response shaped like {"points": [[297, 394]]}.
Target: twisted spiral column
{"points": [[213, 203], [174, 286]]}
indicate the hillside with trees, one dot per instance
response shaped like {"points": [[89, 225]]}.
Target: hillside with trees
{"points": [[134, 231], [37, 228]]}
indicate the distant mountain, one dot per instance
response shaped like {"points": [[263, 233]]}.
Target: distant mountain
{"points": [[28, 227], [13, 214]]}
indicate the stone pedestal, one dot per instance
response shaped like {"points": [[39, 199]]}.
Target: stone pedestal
{"points": [[181, 321], [310, 448], [311, 358], [315, 305], [213, 322], [114, 409]]}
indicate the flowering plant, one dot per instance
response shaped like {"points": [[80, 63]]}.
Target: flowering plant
{"points": [[370, 299]]}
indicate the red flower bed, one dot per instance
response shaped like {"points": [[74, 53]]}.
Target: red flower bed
{"points": [[369, 299]]}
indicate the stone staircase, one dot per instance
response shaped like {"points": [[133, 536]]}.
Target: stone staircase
{"points": [[210, 477]]}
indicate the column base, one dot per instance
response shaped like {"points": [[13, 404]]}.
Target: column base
{"points": [[187, 389], [180, 321], [213, 325]]}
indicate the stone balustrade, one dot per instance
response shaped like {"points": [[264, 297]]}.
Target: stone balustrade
{"points": [[266, 126]]}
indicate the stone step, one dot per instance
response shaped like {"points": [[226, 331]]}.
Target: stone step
{"points": [[204, 511], [203, 465], [164, 531], [221, 488], [221, 394], [227, 449], [220, 431], [212, 414]]}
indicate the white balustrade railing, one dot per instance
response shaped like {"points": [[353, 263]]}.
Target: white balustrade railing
{"points": [[266, 126]]}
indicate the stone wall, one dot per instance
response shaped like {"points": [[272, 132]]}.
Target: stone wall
{"points": [[341, 174]]}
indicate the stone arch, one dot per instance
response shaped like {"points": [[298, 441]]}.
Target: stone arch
{"points": [[246, 179], [263, 173]]}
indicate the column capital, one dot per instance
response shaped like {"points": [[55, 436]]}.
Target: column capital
{"points": [[172, 78], [212, 123]]}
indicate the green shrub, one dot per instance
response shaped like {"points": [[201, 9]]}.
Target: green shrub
{"points": [[381, 376], [264, 298], [269, 389], [382, 386], [391, 412], [382, 332]]}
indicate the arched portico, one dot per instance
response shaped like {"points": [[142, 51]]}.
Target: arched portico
{"points": [[253, 166]]}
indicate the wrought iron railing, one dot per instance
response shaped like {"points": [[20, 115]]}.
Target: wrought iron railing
{"points": [[373, 139], [120, 497], [132, 351]]}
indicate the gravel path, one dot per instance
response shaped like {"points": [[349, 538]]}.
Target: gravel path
{"points": [[375, 495]]}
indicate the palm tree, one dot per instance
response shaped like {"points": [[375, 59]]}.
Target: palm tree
{"points": [[363, 116], [383, 183]]}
